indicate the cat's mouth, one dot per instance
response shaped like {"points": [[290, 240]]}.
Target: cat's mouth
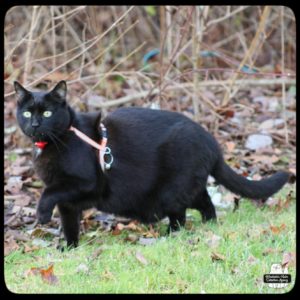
{"points": [[38, 136]]}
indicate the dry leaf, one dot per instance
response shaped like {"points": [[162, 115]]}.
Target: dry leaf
{"points": [[96, 253], [14, 185], [277, 229], [288, 259], [151, 233], [19, 170], [23, 200], [213, 241], [46, 274], [217, 256], [230, 146], [28, 249], [116, 231], [141, 258], [87, 214], [82, 268], [131, 238], [269, 251], [252, 260], [10, 245]]}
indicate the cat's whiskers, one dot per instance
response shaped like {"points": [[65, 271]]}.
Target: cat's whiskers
{"points": [[51, 132]]}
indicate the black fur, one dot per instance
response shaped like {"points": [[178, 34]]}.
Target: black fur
{"points": [[161, 164]]}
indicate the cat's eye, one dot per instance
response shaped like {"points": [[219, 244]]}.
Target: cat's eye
{"points": [[47, 113], [27, 114]]}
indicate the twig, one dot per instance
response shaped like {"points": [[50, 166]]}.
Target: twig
{"points": [[80, 53], [155, 91], [53, 37], [106, 49], [228, 15], [75, 35], [282, 70], [115, 66], [197, 43], [29, 44], [197, 38], [71, 12], [249, 52]]}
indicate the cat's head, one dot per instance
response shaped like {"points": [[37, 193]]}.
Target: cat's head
{"points": [[43, 115]]}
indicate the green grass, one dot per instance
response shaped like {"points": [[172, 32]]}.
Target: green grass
{"points": [[175, 264]]}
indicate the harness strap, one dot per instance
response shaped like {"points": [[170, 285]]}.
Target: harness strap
{"points": [[101, 147]]}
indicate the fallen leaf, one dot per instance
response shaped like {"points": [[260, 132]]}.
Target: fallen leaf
{"points": [[43, 232], [217, 256], [277, 229], [47, 275], [132, 225], [235, 270], [131, 238], [141, 258], [266, 159], [107, 275], [227, 112], [288, 259], [151, 233], [231, 235], [10, 245], [28, 248], [272, 202], [19, 170], [116, 231], [40, 242], [252, 260], [213, 241], [14, 185], [17, 235], [271, 124], [23, 200], [26, 211], [87, 214], [96, 253], [82, 268], [230, 146], [269, 251]]}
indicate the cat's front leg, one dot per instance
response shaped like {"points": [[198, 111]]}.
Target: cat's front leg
{"points": [[70, 219], [45, 207]]}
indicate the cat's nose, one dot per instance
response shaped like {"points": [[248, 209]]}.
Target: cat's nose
{"points": [[35, 124]]}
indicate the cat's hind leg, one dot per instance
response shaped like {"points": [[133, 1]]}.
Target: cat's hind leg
{"points": [[177, 220], [203, 203]]}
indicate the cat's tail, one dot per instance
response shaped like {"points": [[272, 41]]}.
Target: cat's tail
{"points": [[261, 189]]}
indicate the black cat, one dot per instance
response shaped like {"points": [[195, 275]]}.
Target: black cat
{"points": [[161, 163]]}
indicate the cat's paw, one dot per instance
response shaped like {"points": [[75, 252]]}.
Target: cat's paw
{"points": [[43, 217]]}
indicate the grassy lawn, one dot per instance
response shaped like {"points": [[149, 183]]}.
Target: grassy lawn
{"points": [[244, 244]]}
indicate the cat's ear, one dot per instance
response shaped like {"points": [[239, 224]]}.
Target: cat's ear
{"points": [[60, 90], [21, 92]]}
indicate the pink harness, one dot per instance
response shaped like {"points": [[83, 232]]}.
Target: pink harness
{"points": [[103, 149]]}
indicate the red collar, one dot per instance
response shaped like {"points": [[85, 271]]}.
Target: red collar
{"points": [[41, 145]]}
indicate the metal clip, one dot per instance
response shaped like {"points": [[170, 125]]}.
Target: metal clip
{"points": [[107, 165]]}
